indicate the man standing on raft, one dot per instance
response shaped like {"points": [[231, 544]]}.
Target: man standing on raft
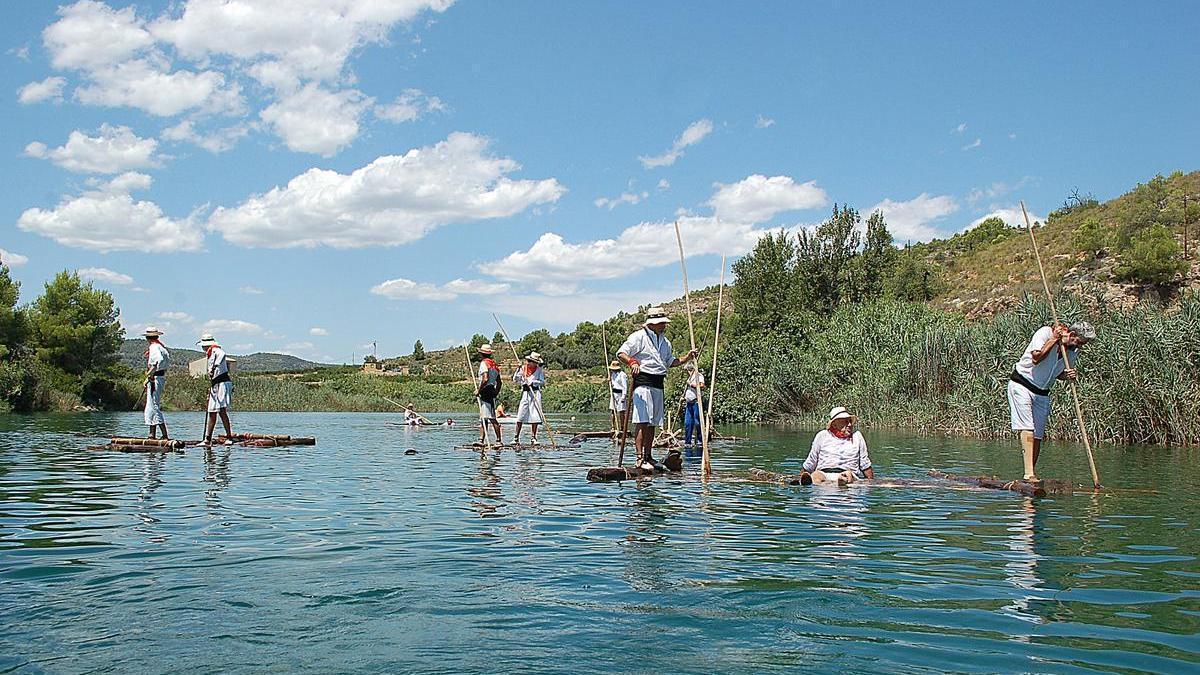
{"points": [[648, 354], [487, 383], [531, 377], [220, 388], [617, 385], [1032, 376], [158, 360]]}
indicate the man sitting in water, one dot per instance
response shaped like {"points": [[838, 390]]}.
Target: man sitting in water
{"points": [[1032, 376], [839, 453]]}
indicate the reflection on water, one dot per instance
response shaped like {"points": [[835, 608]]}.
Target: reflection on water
{"points": [[354, 556]]}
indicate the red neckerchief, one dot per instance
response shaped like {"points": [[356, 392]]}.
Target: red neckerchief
{"points": [[491, 365], [844, 433], [530, 369], [149, 342]]}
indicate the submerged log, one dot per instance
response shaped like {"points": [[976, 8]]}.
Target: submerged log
{"points": [[764, 476], [157, 442], [1023, 487], [515, 446], [608, 474], [266, 440], [124, 447]]}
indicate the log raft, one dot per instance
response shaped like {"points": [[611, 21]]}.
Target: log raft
{"points": [[266, 440], [126, 447], [611, 474], [763, 476], [1026, 488]]}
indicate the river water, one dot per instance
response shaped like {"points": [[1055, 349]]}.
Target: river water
{"points": [[353, 556]]}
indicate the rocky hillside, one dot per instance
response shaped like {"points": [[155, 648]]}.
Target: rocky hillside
{"points": [[132, 353]]}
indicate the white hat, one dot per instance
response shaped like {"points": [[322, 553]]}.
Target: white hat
{"points": [[656, 315], [207, 340], [535, 357], [615, 365], [1083, 330], [839, 413], [151, 331], [485, 348]]}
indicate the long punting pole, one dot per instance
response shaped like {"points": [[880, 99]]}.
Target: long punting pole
{"points": [[612, 414], [536, 404], [712, 381], [705, 462], [482, 422], [1087, 441]]}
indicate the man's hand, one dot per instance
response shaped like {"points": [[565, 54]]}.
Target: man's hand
{"points": [[1070, 374], [635, 367], [691, 355], [1061, 332]]}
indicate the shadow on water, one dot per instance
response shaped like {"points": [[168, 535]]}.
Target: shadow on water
{"points": [[352, 555]]}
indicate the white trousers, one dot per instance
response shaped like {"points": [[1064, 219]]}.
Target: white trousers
{"points": [[219, 396], [1029, 410], [527, 412], [648, 406], [153, 412]]}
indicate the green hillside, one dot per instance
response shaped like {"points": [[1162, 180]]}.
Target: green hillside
{"points": [[132, 355]]}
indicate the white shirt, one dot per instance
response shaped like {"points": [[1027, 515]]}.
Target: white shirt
{"points": [[617, 380], [651, 350], [217, 363], [1042, 374], [159, 358], [695, 380], [537, 380], [830, 452]]}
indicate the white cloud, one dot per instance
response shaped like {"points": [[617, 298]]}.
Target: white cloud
{"points": [[113, 150], [243, 347], [215, 141], [1010, 215], [182, 317], [909, 220], [663, 184], [393, 200], [567, 311], [995, 190], [219, 326], [10, 259], [92, 35], [250, 290], [406, 289], [130, 181], [105, 276], [763, 122], [49, 89], [150, 86], [110, 220], [312, 38], [973, 144], [959, 129], [1013, 136], [318, 331], [409, 106], [624, 198], [316, 120], [693, 134], [757, 198]]}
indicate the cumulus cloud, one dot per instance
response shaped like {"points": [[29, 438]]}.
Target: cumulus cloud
{"points": [[49, 89], [109, 219], [182, 317], [410, 105], [393, 200], [219, 326], [693, 134], [317, 120], [406, 289], [215, 141], [105, 276], [757, 198], [763, 122], [149, 86], [91, 35], [663, 184], [113, 150], [910, 220], [1010, 215], [130, 181], [625, 198], [318, 331], [10, 259]]}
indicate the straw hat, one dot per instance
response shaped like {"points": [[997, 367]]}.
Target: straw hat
{"points": [[615, 365], [534, 357], [485, 348], [839, 413], [151, 331], [207, 340], [656, 315], [1083, 330]]}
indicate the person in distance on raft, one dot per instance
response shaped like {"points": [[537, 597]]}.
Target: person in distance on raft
{"points": [[220, 388], [531, 377], [839, 452], [617, 385], [488, 385], [648, 354], [158, 360], [1031, 379], [691, 406]]}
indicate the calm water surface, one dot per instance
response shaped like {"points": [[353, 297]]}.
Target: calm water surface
{"points": [[352, 556]]}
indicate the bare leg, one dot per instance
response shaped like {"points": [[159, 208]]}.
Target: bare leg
{"points": [[534, 426], [163, 426], [499, 436], [209, 424], [153, 432], [225, 421], [1029, 452], [517, 438]]}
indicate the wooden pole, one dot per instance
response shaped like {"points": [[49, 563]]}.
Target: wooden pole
{"points": [[536, 404], [705, 462], [612, 414], [1087, 441], [475, 379], [712, 382], [408, 409]]}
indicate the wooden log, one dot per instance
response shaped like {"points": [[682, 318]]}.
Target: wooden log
{"points": [[608, 474], [253, 437], [586, 435], [764, 476], [157, 442], [1023, 487], [122, 447], [513, 446]]}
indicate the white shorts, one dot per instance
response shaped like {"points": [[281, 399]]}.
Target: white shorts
{"points": [[527, 412], [153, 413], [219, 396], [648, 406], [1029, 410], [487, 409], [616, 402]]}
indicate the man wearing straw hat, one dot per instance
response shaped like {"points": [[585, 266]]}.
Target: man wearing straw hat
{"points": [[158, 360], [1031, 379], [532, 377], [220, 388], [488, 383], [648, 354], [617, 384], [839, 452], [691, 406]]}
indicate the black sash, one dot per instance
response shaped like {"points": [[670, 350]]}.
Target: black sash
{"points": [[223, 377], [643, 379], [160, 373], [1024, 382]]}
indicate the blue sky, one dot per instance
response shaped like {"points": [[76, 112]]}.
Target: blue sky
{"points": [[310, 177]]}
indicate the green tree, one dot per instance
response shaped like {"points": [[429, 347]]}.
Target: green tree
{"points": [[1153, 257], [477, 341], [418, 352], [764, 283], [823, 270], [498, 338], [539, 341], [76, 326], [876, 263], [913, 279], [12, 319], [1091, 237]]}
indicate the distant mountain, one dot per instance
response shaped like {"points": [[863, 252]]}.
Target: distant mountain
{"points": [[132, 353]]}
